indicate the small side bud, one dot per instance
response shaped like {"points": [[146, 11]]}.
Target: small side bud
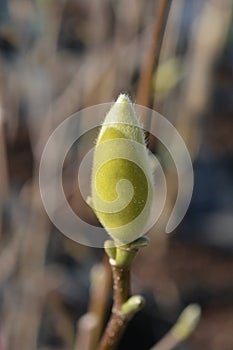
{"points": [[187, 322], [133, 305]]}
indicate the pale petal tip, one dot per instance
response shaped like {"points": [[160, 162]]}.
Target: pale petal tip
{"points": [[123, 98]]}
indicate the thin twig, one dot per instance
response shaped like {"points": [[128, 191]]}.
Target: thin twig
{"points": [[118, 321], [124, 306], [144, 88], [3, 159], [90, 325], [99, 297], [86, 330]]}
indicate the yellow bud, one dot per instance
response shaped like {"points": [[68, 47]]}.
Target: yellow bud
{"points": [[121, 174]]}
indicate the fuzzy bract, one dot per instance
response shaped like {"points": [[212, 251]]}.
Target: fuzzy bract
{"points": [[121, 176]]}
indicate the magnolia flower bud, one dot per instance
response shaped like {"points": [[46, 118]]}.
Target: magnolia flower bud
{"points": [[121, 175]]}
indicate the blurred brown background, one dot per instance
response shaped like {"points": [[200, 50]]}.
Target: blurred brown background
{"points": [[59, 56]]}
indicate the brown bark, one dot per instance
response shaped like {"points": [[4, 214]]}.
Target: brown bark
{"points": [[118, 321]]}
